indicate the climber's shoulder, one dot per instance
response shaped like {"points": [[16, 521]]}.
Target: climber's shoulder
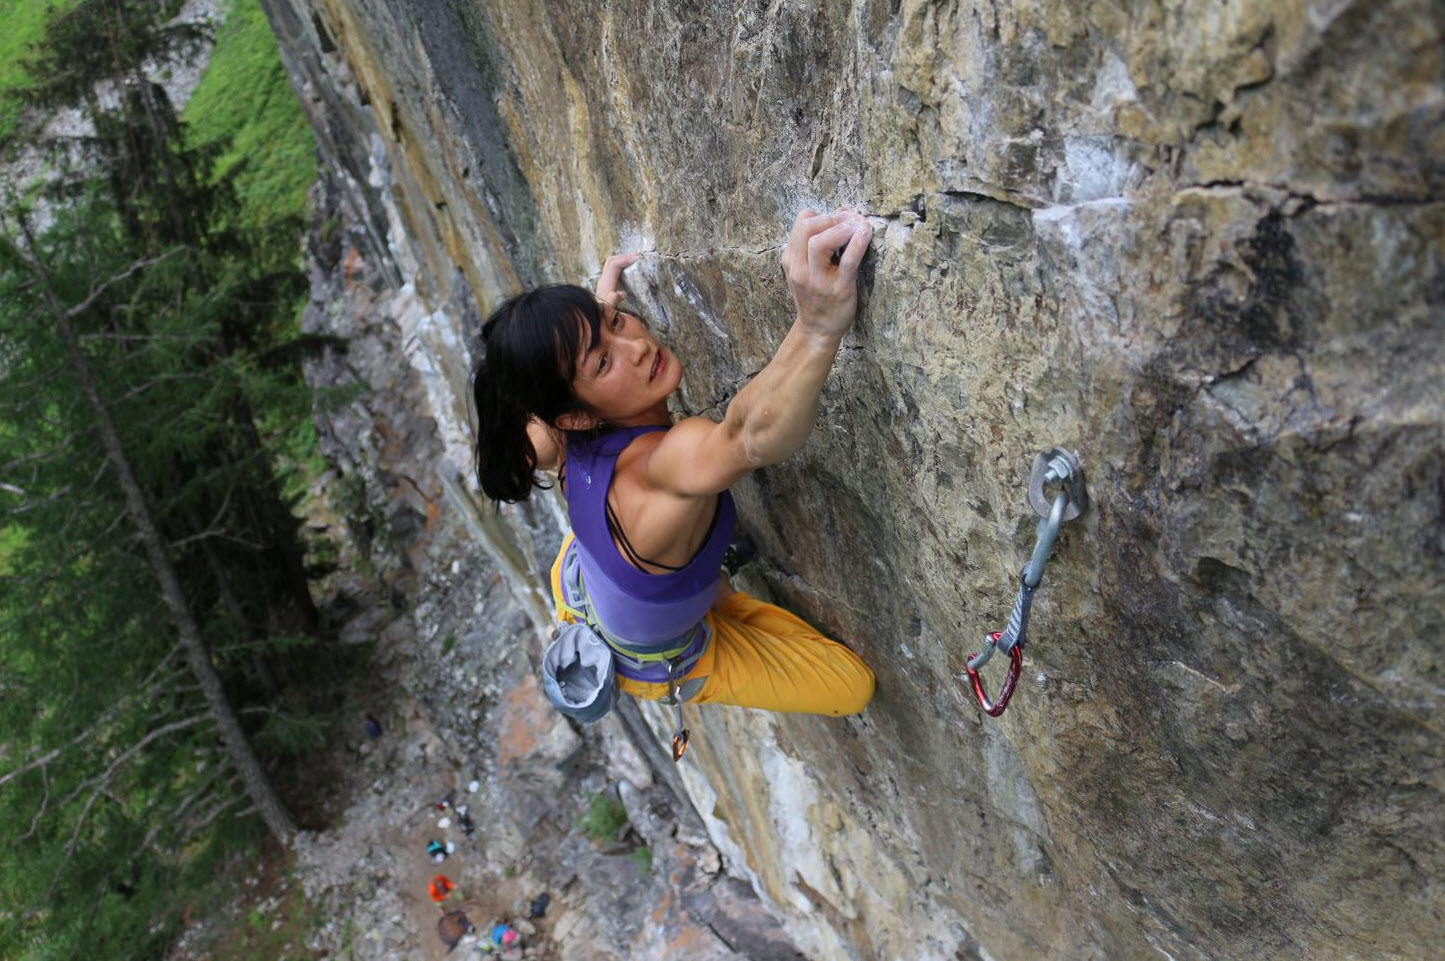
{"points": [[696, 457]]}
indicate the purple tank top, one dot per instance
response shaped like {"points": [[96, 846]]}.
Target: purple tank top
{"points": [[648, 610]]}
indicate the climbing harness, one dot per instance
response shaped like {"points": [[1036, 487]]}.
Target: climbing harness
{"points": [[1053, 467], [667, 663]]}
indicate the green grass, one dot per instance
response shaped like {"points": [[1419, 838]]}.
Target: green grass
{"points": [[245, 95], [605, 817], [24, 23]]}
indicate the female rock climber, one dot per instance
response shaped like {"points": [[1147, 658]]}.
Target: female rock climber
{"points": [[575, 383]]}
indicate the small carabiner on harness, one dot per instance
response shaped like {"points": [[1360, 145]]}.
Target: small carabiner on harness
{"points": [[680, 735]]}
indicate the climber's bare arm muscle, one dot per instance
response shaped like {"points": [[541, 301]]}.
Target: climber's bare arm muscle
{"points": [[767, 422], [771, 417], [697, 457]]}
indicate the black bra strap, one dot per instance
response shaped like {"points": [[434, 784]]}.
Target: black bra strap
{"points": [[615, 526]]}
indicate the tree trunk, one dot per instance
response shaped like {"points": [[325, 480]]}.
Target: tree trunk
{"points": [[257, 784], [259, 662]]}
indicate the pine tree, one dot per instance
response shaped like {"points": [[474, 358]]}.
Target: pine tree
{"points": [[142, 519], [150, 573]]}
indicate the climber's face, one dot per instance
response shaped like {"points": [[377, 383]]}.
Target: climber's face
{"points": [[626, 376]]}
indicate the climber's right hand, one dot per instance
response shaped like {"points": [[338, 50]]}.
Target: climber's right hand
{"points": [[824, 284]]}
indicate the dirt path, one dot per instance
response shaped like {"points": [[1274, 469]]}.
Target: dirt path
{"points": [[484, 904]]}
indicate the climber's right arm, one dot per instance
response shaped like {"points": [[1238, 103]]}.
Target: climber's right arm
{"points": [[771, 417]]}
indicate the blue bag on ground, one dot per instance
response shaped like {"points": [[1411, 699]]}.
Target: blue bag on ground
{"points": [[577, 673]]}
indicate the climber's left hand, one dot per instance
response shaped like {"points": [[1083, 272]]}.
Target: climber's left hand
{"points": [[609, 285]]}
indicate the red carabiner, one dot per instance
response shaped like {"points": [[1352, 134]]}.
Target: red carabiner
{"points": [[679, 744], [1016, 660]]}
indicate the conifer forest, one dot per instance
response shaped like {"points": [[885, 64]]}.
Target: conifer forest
{"points": [[163, 666]]}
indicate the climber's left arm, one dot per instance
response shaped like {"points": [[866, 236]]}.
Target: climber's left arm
{"points": [[547, 442]]}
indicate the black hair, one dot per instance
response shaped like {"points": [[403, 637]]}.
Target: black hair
{"points": [[531, 345]]}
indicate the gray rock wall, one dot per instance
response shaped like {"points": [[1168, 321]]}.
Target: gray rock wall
{"points": [[1198, 242]]}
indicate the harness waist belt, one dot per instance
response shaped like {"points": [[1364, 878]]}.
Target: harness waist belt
{"points": [[648, 663]]}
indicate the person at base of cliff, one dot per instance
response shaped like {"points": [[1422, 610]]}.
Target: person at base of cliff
{"points": [[575, 383]]}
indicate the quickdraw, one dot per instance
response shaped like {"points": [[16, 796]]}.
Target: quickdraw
{"points": [[1055, 466], [1016, 659]]}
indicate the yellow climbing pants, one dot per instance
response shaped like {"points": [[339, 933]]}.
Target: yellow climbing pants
{"points": [[762, 656]]}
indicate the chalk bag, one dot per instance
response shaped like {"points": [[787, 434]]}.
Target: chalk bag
{"points": [[578, 674]]}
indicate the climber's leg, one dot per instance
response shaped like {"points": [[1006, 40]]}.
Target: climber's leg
{"points": [[762, 656], [765, 657]]}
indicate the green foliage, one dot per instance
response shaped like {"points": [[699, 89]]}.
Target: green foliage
{"points": [[605, 817], [110, 40], [291, 735], [244, 111], [181, 281], [24, 22], [245, 102], [643, 858], [135, 149], [288, 430]]}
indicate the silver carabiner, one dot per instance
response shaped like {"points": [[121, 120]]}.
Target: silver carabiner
{"points": [[680, 735]]}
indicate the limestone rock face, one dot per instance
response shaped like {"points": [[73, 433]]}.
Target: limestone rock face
{"points": [[1198, 242]]}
